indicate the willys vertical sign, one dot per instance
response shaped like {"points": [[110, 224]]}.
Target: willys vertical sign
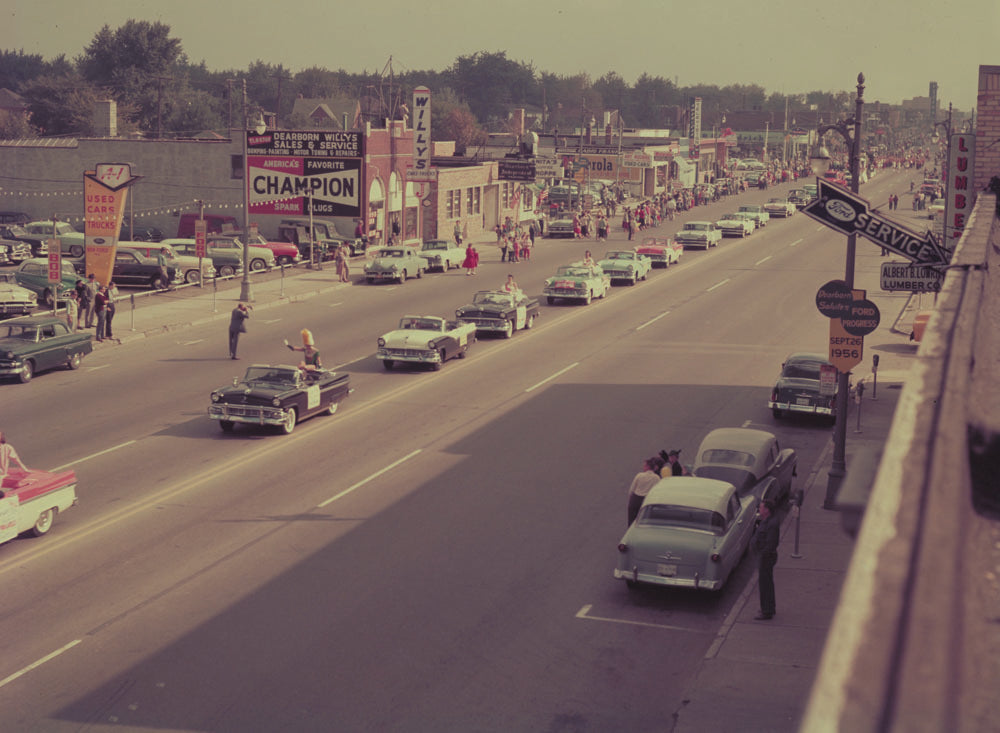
{"points": [[421, 170]]}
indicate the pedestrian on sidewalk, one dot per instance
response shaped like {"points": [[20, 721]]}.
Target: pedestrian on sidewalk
{"points": [[82, 296], [237, 325], [72, 311], [112, 293], [91, 286], [100, 311], [766, 545], [343, 267]]}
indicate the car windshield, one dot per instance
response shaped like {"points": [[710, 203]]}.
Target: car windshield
{"points": [[800, 370], [671, 515], [619, 256], [573, 271], [391, 253], [25, 333], [420, 324], [495, 298], [750, 209], [724, 455], [271, 375], [695, 227], [435, 245]]}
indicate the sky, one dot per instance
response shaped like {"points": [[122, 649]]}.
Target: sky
{"points": [[786, 46]]}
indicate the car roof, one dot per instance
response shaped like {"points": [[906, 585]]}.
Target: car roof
{"points": [[692, 491], [32, 321], [748, 440], [803, 356]]}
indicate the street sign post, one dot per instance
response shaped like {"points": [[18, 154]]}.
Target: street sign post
{"points": [[848, 213]]}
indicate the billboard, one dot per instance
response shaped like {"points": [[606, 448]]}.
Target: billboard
{"points": [[286, 169], [105, 190]]}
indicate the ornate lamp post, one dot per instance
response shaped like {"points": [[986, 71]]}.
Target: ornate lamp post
{"points": [[246, 293], [820, 164]]}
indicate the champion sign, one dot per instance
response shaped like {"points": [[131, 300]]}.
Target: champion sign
{"points": [[283, 186]]}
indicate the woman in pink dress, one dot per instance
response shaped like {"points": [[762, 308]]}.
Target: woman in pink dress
{"points": [[471, 260]]}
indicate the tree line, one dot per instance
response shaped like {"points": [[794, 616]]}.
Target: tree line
{"points": [[160, 92]]}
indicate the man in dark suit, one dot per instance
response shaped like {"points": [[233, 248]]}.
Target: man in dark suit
{"points": [[237, 325], [766, 545]]}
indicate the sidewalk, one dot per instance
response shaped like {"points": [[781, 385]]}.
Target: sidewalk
{"points": [[757, 675]]}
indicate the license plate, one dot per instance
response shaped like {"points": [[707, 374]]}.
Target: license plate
{"points": [[666, 570], [801, 400]]}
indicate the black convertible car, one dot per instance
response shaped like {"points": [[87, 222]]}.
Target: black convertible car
{"points": [[279, 396], [499, 311]]}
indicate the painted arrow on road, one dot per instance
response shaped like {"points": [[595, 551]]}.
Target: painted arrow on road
{"points": [[848, 213]]}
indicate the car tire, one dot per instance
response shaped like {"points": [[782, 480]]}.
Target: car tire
{"points": [[402, 277], [388, 364], [530, 323], [76, 251], [48, 298], [27, 372], [191, 277], [227, 425], [420, 273], [257, 265], [370, 280], [284, 260], [550, 300], [332, 409], [227, 271], [73, 362], [778, 414], [436, 365], [291, 418], [508, 330], [156, 283], [44, 522], [634, 280], [589, 298]]}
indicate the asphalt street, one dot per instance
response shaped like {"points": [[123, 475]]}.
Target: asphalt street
{"points": [[436, 556]]}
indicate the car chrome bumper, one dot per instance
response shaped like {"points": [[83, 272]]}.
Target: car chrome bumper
{"points": [[808, 409], [661, 580], [11, 370], [247, 414], [419, 357]]}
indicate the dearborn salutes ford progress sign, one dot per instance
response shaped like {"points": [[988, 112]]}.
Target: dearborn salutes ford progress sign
{"points": [[288, 168]]}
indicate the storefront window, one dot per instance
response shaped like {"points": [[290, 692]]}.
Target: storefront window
{"points": [[472, 201], [453, 204]]}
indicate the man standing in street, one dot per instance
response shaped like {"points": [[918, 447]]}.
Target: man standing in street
{"points": [[92, 286], [237, 325], [766, 545]]}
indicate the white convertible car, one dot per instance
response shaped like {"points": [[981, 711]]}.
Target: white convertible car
{"points": [[425, 340]]}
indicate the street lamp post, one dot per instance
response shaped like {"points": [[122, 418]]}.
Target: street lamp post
{"points": [[820, 164], [246, 293]]}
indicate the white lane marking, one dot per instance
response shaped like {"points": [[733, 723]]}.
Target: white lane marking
{"points": [[269, 320], [95, 368], [549, 379], [93, 455], [583, 613], [334, 305], [717, 285], [821, 227], [761, 262], [191, 343], [39, 663], [362, 482], [795, 242], [747, 423], [652, 320]]}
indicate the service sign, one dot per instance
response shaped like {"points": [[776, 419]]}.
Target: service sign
{"points": [[959, 197], [287, 169]]}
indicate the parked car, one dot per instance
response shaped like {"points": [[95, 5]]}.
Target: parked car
{"points": [[561, 226], [135, 232], [661, 251], [690, 532], [699, 234], [295, 229], [32, 344], [14, 217], [37, 244], [498, 311], [279, 396], [71, 241], [31, 500], [935, 209], [134, 270], [14, 251], [735, 225], [188, 265], [261, 258], [425, 340], [758, 213], [577, 282], [33, 274], [285, 253], [213, 223], [227, 262], [15, 300], [625, 265], [779, 207], [395, 263], [749, 459], [797, 388], [442, 254]]}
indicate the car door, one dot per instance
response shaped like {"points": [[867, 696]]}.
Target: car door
{"points": [[128, 270], [51, 351]]}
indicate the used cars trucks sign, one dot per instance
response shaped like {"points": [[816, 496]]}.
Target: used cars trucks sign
{"points": [[288, 169]]}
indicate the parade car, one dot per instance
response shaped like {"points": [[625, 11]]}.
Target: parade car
{"points": [[31, 500], [811, 190], [736, 225], [797, 388], [15, 300], [799, 197], [279, 396], [442, 254], [498, 311], [699, 234], [751, 460], [780, 207], [561, 227], [661, 251], [577, 282], [625, 264], [690, 532], [425, 340], [758, 213], [33, 274], [33, 344], [395, 263], [935, 208]]}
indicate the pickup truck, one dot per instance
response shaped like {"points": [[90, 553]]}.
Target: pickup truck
{"points": [[30, 501], [425, 340]]}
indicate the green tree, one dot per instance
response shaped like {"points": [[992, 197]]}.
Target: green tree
{"points": [[14, 125], [62, 105], [490, 83]]}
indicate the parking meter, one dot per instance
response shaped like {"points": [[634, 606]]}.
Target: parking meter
{"points": [[796, 501], [874, 376]]}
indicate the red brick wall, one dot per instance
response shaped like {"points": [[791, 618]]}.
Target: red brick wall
{"points": [[987, 127]]}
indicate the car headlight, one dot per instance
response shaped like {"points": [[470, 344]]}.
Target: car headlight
{"points": [[276, 402], [9, 355], [432, 344], [394, 267], [381, 341], [215, 397]]}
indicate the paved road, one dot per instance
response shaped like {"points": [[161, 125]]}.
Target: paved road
{"points": [[438, 555]]}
